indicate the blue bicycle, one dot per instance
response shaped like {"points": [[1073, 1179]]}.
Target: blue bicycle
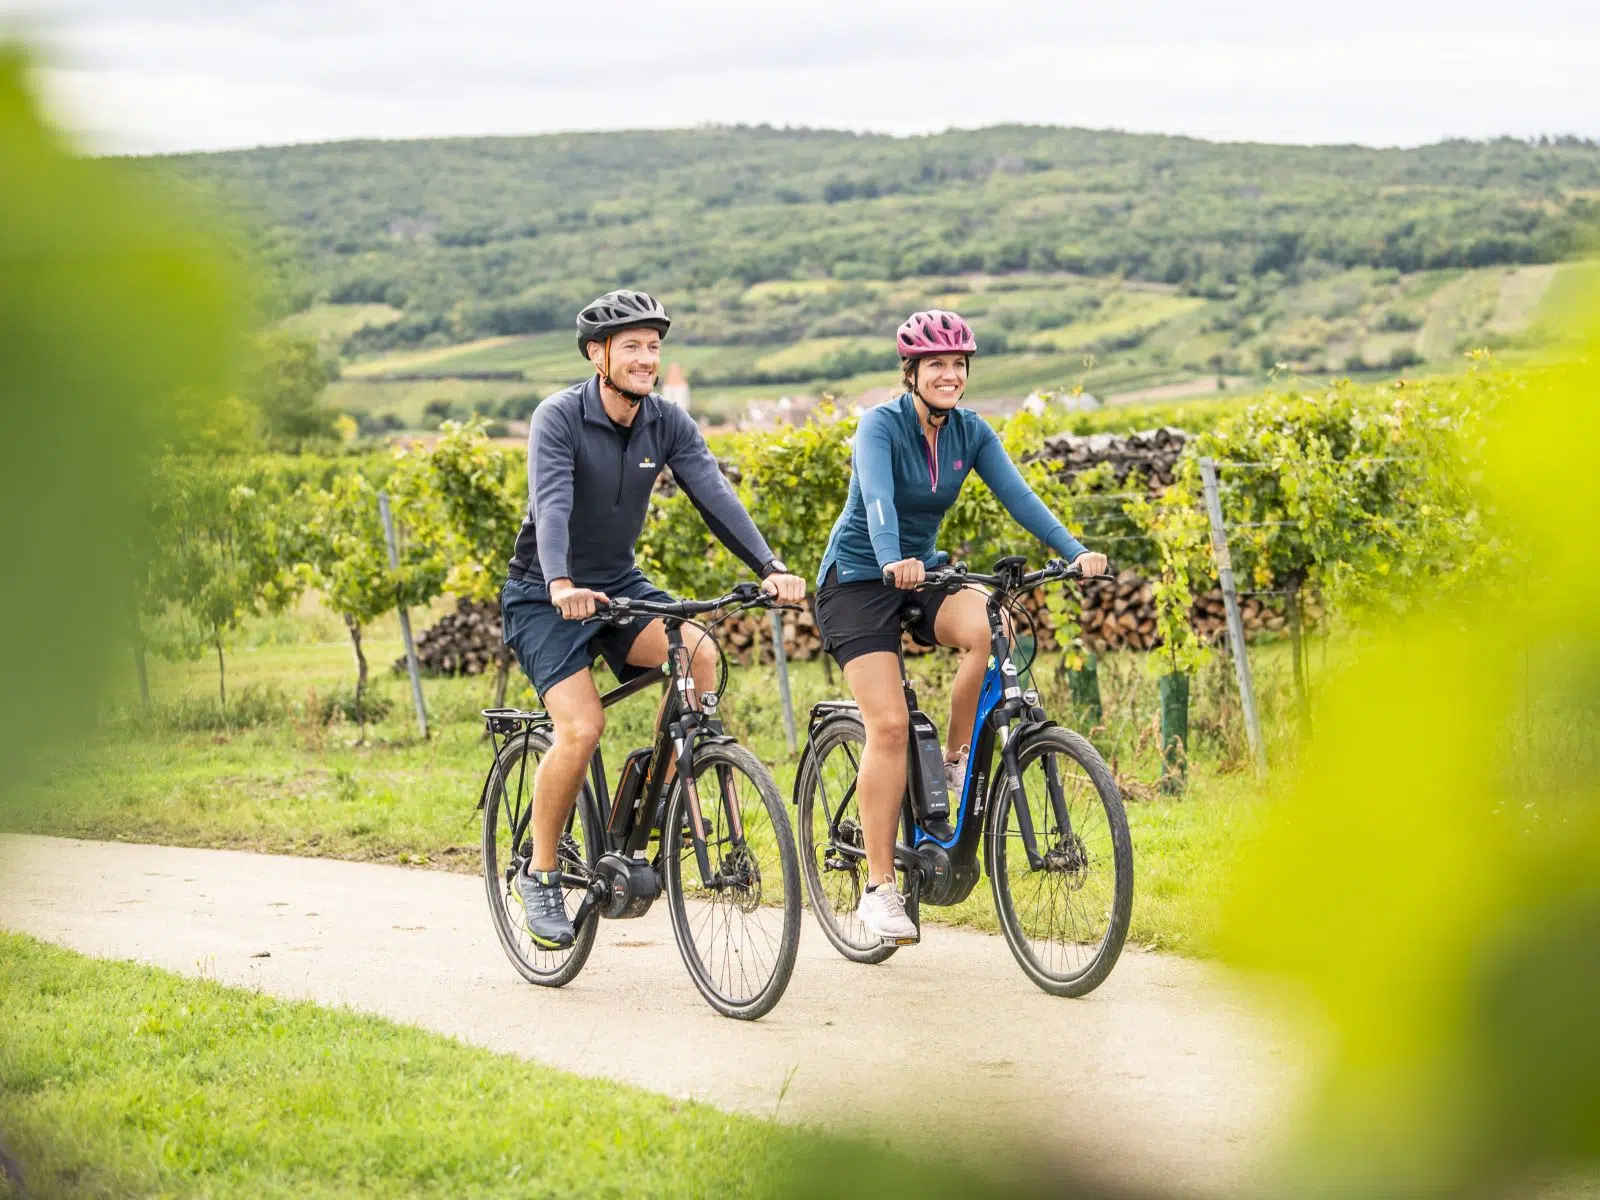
{"points": [[1048, 817]]}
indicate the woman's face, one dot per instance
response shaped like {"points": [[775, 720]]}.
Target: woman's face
{"points": [[941, 378]]}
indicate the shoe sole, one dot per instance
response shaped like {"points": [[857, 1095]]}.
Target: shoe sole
{"points": [[542, 943], [886, 940]]}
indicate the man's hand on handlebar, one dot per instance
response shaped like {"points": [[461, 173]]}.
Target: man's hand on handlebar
{"points": [[1090, 563], [575, 603], [906, 573], [785, 588]]}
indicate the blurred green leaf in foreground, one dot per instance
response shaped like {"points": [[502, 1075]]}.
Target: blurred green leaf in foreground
{"points": [[118, 327], [1432, 882]]}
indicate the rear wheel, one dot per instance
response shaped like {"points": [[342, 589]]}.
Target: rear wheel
{"points": [[508, 800], [831, 847], [1065, 919], [739, 931]]}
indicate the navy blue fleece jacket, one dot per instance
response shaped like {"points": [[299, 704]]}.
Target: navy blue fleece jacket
{"points": [[589, 489]]}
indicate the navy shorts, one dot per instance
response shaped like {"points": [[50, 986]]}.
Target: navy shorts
{"points": [[551, 648]]}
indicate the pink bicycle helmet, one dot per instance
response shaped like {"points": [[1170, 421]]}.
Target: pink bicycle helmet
{"points": [[935, 332]]}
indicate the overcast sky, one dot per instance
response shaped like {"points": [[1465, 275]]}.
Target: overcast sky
{"points": [[156, 75]]}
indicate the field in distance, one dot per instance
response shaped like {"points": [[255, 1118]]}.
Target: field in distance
{"points": [[1039, 331]]}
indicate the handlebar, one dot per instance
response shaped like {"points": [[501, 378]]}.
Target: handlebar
{"points": [[1009, 578], [623, 608]]}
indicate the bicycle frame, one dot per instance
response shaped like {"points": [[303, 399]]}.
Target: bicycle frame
{"points": [[948, 870], [682, 724]]}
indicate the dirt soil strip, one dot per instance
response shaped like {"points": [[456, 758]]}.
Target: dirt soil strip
{"points": [[1168, 1072]]}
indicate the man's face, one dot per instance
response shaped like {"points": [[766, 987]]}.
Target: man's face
{"points": [[635, 358]]}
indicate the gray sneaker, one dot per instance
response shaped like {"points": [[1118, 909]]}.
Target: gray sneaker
{"points": [[545, 909]]}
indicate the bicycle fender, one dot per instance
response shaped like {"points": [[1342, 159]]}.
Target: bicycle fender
{"points": [[823, 718]]}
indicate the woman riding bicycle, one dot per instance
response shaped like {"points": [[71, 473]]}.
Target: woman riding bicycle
{"points": [[911, 457]]}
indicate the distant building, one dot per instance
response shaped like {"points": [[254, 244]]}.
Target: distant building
{"points": [[676, 388], [785, 410], [1037, 402]]}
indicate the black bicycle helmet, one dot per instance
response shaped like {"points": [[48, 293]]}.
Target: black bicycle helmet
{"points": [[621, 309]]}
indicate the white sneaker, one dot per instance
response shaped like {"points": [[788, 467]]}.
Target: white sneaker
{"points": [[883, 912], [955, 774]]}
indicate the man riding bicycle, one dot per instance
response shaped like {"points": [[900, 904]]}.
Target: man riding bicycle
{"points": [[594, 452], [910, 459]]}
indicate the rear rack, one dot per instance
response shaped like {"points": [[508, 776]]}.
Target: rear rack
{"points": [[508, 721]]}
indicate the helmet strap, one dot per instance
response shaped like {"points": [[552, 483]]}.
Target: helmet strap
{"points": [[634, 399], [936, 417]]}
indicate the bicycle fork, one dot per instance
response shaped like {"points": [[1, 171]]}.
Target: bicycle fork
{"points": [[1019, 797]]}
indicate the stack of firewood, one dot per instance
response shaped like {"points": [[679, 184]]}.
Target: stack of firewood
{"points": [[1115, 615], [747, 636], [1152, 454], [465, 642]]}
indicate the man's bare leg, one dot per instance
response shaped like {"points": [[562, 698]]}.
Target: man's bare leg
{"points": [[574, 707]]}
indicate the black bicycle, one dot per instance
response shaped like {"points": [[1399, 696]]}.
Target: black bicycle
{"points": [[694, 815], [1049, 818]]}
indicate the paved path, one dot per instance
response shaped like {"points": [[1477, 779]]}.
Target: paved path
{"points": [[1167, 1066]]}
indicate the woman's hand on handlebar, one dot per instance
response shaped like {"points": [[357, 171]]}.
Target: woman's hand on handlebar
{"points": [[575, 603], [1090, 563], [906, 573], [785, 588]]}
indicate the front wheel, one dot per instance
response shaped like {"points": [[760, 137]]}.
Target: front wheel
{"points": [[738, 925], [1066, 917]]}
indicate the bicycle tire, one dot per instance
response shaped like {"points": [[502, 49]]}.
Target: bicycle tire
{"points": [[715, 980], [547, 968], [1006, 854], [839, 924]]}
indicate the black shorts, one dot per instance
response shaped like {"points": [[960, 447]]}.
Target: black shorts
{"points": [[866, 617]]}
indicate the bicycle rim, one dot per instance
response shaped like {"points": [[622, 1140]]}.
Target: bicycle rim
{"points": [[505, 811]]}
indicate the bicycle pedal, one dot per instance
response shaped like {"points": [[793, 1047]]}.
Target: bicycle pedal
{"points": [[910, 941]]}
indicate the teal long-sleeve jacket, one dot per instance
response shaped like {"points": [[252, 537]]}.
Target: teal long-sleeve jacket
{"points": [[901, 488]]}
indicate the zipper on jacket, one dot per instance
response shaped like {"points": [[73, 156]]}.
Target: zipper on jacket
{"points": [[933, 459], [622, 466]]}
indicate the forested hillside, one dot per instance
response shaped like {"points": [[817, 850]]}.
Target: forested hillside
{"points": [[483, 236]]}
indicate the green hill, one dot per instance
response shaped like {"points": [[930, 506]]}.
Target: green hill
{"points": [[787, 256]]}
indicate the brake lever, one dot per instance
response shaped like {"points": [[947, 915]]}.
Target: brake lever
{"points": [[610, 610]]}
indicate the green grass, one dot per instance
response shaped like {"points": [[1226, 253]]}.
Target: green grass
{"points": [[331, 324], [1565, 300], [1127, 313], [120, 1080]]}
